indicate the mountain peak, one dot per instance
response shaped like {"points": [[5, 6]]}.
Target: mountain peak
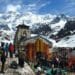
{"points": [[64, 17], [41, 24]]}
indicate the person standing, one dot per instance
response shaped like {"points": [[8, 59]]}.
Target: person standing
{"points": [[6, 49], [53, 70], [3, 57], [21, 59], [3, 60], [11, 49]]}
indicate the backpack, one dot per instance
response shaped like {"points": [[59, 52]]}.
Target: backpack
{"points": [[14, 65]]}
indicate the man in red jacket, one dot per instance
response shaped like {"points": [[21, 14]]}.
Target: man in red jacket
{"points": [[11, 49]]}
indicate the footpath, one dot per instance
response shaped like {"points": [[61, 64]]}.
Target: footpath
{"points": [[19, 71]]}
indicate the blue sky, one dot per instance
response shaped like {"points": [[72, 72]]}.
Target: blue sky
{"points": [[39, 6]]}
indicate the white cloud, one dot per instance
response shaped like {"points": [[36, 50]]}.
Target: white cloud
{"points": [[31, 5], [44, 4], [28, 11], [15, 5], [1, 15], [35, 7], [13, 8]]}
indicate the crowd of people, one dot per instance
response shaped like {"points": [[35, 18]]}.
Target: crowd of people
{"points": [[54, 66], [5, 51]]}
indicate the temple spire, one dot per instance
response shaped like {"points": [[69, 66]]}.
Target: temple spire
{"points": [[23, 22]]}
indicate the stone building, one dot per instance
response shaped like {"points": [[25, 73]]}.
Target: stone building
{"points": [[22, 32], [33, 46]]}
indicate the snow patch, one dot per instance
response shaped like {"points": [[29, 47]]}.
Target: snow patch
{"points": [[68, 41]]}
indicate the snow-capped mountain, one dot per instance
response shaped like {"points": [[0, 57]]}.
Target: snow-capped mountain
{"points": [[52, 27], [49, 25], [57, 24], [68, 29], [12, 19], [9, 21]]}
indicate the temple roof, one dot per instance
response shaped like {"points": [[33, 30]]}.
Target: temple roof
{"points": [[23, 26], [50, 41]]}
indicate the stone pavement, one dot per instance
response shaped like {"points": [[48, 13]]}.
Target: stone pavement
{"points": [[71, 73], [8, 61], [20, 71]]}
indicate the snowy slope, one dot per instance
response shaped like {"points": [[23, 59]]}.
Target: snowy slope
{"points": [[58, 26], [6, 36], [68, 41]]}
